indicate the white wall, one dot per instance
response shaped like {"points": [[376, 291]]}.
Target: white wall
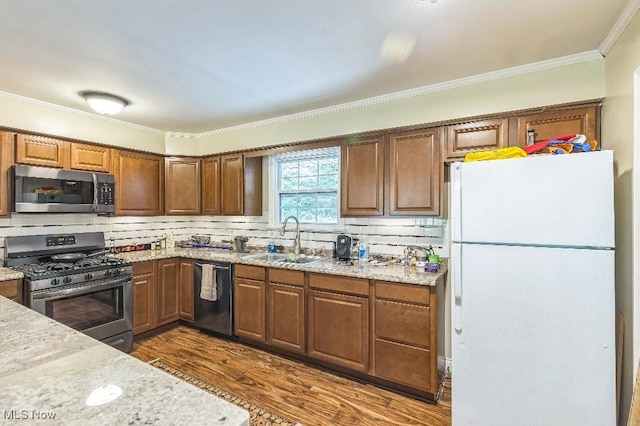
{"points": [[617, 134], [562, 84]]}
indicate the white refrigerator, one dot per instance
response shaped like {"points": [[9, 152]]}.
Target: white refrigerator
{"points": [[532, 303]]}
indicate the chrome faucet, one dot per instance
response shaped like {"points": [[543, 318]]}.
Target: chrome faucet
{"points": [[296, 242]]}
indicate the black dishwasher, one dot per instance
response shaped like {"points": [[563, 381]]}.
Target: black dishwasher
{"points": [[215, 313]]}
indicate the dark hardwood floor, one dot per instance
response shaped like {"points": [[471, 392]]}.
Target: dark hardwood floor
{"points": [[292, 389]]}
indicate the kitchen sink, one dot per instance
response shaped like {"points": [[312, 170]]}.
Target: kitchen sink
{"points": [[302, 260], [269, 257]]}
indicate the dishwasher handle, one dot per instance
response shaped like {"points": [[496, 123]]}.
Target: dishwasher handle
{"points": [[224, 268]]}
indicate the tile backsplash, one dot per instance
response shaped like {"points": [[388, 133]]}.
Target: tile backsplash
{"points": [[385, 236]]}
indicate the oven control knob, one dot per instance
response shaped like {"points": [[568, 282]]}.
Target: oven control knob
{"points": [[55, 281], [67, 280], [108, 273], [117, 271], [88, 276]]}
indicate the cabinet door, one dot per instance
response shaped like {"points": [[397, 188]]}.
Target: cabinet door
{"points": [[186, 290], [90, 157], [339, 329], [232, 187], [139, 184], [211, 186], [12, 290], [168, 291], [550, 124], [476, 136], [249, 309], [144, 297], [416, 173], [362, 178], [182, 183], [6, 161], [286, 317], [42, 151]]}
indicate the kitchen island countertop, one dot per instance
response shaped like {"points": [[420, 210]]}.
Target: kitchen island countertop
{"points": [[394, 273], [49, 370], [7, 274]]}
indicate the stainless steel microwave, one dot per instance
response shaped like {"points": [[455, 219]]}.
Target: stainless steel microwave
{"points": [[49, 190]]}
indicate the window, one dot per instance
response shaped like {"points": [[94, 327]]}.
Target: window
{"points": [[307, 185]]}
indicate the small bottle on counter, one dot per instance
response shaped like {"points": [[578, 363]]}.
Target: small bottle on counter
{"points": [[153, 245], [363, 250], [271, 244], [163, 242]]}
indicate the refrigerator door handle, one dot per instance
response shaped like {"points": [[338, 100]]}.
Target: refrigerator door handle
{"points": [[456, 262], [456, 203]]}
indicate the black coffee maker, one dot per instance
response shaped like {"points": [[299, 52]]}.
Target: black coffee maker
{"points": [[343, 247]]}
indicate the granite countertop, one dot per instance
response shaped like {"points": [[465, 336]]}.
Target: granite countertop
{"points": [[49, 369], [393, 273], [7, 274]]}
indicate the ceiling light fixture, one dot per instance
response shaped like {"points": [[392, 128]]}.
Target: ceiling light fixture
{"points": [[104, 103]]}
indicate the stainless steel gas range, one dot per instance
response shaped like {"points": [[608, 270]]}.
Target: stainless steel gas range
{"points": [[69, 278]]}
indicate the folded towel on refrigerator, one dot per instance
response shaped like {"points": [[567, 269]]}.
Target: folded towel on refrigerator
{"points": [[209, 286]]}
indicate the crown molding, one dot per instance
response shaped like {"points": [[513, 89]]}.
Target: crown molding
{"points": [[83, 114], [618, 28], [405, 94]]}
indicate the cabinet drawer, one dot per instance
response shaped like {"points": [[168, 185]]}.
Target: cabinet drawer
{"points": [[140, 268], [402, 322], [342, 284], [286, 276], [403, 292], [403, 364], [10, 289], [251, 272]]}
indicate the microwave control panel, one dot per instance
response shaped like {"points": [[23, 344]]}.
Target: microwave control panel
{"points": [[105, 193]]}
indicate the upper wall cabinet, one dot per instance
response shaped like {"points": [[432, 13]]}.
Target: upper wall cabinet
{"points": [[92, 158], [6, 161], [398, 174], [139, 183], [415, 172], [560, 122], [362, 183], [240, 185], [42, 151], [49, 152], [476, 136], [182, 183], [211, 202]]}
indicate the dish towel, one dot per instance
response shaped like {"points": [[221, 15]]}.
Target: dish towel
{"points": [[209, 288]]}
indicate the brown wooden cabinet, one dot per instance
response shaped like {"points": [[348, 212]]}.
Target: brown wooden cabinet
{"points": [[139, 188], [182, 186], [416, 173], [559, 122], [6, 161], [211, 201], [168, 291], [92, 158], [186, 300], [144, 296], [395, 174], [474, 136], [241, 185], [338, 323], [405, 335], [249, 302], [286, 312], [362, 180], [42, 151], [12, 290]]}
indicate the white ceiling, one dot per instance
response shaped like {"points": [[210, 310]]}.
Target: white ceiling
{"points": [[200, 65]]}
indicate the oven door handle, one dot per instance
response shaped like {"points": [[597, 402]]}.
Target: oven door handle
{"points": [[51, 294]]}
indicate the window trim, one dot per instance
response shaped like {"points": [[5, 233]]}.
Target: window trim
{"points": [[273, 193]]}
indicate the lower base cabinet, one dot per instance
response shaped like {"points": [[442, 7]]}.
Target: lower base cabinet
{"points": [[12, 290], [162, 293], [286, 313], [250, 303]]}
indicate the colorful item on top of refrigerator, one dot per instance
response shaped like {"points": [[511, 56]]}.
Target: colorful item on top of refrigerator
{"points": [[495, 154]]}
